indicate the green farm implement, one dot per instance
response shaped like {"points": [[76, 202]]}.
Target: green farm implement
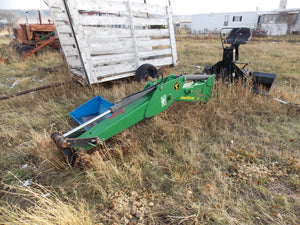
{"points": [[100, 120]]}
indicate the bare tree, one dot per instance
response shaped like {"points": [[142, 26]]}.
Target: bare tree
{"points": [[10, 16]]}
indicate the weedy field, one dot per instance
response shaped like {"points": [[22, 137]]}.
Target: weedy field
{"points": [[234, 160]]}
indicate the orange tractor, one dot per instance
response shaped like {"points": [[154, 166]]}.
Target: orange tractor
{"points": [[29, 38]]}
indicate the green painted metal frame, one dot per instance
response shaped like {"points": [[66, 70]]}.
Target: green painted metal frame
{"points": [[172, 89], [168, 89]]}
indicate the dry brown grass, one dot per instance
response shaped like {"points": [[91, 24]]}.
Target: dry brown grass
{"points": [[46, 207], [4, 40], [234, 160]]}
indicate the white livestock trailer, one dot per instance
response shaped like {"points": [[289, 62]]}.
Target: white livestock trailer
{"points": [[104, 40]]}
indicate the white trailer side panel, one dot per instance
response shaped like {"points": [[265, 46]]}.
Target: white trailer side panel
{"points": [[107, 40]]}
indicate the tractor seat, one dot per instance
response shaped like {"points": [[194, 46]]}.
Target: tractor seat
{"points": [[238, 36]]}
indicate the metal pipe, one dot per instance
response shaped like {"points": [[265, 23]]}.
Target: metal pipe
{"points": [[31, 90], [86, 124], [27, 18], [40, 17]]}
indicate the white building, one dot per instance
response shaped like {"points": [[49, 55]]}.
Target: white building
{"points": [[182, 23], [275, 22], [214, 22]]}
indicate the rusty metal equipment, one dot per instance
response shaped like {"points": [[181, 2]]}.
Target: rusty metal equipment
{"points": [[29, 38]]}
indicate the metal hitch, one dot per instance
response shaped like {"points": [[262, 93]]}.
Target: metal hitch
{"points": [[228, 70]]}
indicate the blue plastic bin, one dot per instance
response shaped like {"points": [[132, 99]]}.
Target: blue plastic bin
{"points": [[91, 109]]}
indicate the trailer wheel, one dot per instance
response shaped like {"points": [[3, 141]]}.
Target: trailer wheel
{"points": [[26, 49], [145, 72]]}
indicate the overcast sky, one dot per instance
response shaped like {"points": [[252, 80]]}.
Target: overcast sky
{"points": [[180, 7]]}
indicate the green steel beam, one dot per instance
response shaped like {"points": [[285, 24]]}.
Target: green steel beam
{"points": [[172, 89]]}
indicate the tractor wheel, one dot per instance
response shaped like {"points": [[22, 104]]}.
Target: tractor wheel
{"points": [[16, 47], [26, 49], [145, 73]]}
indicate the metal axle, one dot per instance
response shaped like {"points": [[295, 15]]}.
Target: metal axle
{"points": [[86, 124]]}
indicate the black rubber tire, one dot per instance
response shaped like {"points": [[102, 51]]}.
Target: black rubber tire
{"points": [[145, 71], [25, 49], [16, 47]]}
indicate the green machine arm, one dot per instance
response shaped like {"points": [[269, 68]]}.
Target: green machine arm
{"points": [[156, 97]]}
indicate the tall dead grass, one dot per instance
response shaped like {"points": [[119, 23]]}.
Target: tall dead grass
{"points": [[233, 160], [45, 207]]}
